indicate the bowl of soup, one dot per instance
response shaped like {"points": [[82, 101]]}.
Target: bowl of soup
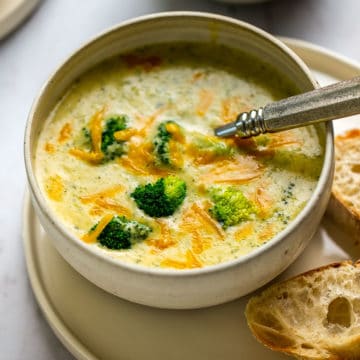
{"points": [[132, 186]]}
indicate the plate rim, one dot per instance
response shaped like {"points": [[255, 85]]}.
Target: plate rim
{"points": [[56, 323], [16, 16]]}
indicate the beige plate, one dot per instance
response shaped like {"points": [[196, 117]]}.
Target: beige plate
{"points": [[93, 324], [13, 12]]}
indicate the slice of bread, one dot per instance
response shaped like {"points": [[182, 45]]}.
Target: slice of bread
{"points": [[344, 205], [315, 315]]}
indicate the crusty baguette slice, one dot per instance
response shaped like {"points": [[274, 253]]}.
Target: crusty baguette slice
{"points": [[344, 205], [315, 315]]}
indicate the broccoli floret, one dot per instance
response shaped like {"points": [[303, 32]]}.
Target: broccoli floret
{"points": [[209, 148], [85, 132], [120, 232], [296, 162], [109, 145], [161, 143], [230, 206], [161, 198]]}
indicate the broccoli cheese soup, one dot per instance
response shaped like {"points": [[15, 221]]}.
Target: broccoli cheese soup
{"points": [[129, 162]]}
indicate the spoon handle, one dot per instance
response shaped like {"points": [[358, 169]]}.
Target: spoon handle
{"points": [[328, 103]]}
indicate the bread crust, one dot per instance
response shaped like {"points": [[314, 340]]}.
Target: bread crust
{"points": [[269, 314], [344, 204]]}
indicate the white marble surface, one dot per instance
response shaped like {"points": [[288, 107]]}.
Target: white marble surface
{"points": [[28, 56]]}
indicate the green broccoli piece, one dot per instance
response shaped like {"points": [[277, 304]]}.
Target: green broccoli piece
{"points": [[262, 140], [161, 144], [161, 198], [110, 147], [210, 147], [120, 233], [230, 206], [296, 162]]}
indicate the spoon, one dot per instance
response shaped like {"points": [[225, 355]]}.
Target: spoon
{"points": [[324, 104]]}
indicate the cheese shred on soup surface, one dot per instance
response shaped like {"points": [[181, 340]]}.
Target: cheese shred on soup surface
{"points": [[129, 163]]}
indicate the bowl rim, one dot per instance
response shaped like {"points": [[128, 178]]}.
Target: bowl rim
{"points": [[168, 272]]}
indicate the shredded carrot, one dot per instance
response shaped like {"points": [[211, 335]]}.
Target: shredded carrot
{"points": [[200, 156], [244, 231], [282, 139], [267, 233], [191, 262], [235, 180], [205, 158], [232, 107], [150, 120], [96, 210], [263, 201], [207, 220], [166, 240], [109, 192], [176, 132], [111, 204], [240, 170], [140, 161], [55, 187], [206, 98], [65, 133], [175, 154], [131, 166], [50, 148], [124, 135], [173, 263], [95, 156], [96, 130], [91, 157], [92, 236], [200, 243]]}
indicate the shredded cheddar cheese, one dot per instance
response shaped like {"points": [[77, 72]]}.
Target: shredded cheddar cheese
{"points": [[232, 107], [149, 122], [264, 202], [124, 135], [207, 220], [199, 242], [166, 240], [96, 130], [206, 98], [267, 233], [92, 236], [244, 231], [50, 148], [190, 262], [65, 133], [109, 192], [55, 187], [240, 171], [91, 157], [113, 205]]}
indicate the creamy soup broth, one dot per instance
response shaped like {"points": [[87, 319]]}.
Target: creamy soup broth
{"points": [[197, 87]]}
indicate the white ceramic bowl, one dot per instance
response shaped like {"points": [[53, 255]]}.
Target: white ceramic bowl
{"points": [[192, 288]]}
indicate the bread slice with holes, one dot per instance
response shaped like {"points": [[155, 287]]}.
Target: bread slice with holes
{"points": [[315, 315], [344, 205]]}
